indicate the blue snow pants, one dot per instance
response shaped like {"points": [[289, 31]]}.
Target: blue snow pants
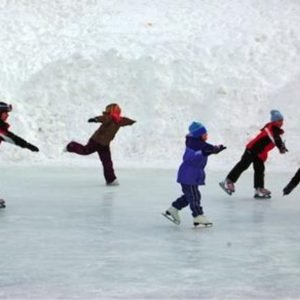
{"points": [[191, 196]]}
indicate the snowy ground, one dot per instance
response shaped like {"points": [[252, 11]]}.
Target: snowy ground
{"points": [[65, 235]]}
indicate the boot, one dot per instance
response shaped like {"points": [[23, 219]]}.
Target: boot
{"points": [[113, 183], [201, 220], [262, 193], [228, 186], [173, 214]]}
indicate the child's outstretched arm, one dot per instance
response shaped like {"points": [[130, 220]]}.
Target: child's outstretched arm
{"points": [[18, 141], [213, 149], [126, 121]]}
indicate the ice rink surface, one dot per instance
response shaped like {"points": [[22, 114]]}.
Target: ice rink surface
{"points": [[66, 235]]}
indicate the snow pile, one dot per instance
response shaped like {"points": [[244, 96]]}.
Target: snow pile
{"points": [[166, 63]]}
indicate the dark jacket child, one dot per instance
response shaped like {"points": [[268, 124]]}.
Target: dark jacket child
{"points": [[111, 121], [293, 183], [191, 174], [8, 136], [256, 153]]}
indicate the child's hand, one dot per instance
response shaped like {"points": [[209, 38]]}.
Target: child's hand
{"points": [[32, 147], [220, 148], [92, 120], [283, 149]]}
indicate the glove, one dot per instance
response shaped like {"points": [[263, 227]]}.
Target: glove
{"points": [[32, 147], [220, 148], [283, 149], [92, 120]]}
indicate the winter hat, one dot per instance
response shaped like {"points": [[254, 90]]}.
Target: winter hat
{"points": [[276, 115], [196, 129], [4, 107]]}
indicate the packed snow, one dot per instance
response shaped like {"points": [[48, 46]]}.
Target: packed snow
{"points": [[167, 63]]}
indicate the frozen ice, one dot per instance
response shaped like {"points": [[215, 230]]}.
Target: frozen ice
{"points": [[66, 235]]}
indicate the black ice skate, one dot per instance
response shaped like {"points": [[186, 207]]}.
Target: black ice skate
{"points": [[2, 203]]}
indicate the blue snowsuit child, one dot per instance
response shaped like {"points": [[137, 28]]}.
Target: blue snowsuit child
{"points": [[191, 174]]}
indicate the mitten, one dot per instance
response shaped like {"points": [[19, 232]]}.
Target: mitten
{"points": [[92, 120], [283, 149], [220, 148]]}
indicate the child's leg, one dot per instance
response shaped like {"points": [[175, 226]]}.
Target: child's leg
{"points": [[293, 183], [180, 203], [259, 173], [241, 166], [105, 157], [77, 148], [296, 178], [193, 197]]}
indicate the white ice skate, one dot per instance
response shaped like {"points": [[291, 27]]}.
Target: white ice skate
{"points": [[228, 186], [202, 220], [172, 215], [113, 183], [262, 193]]}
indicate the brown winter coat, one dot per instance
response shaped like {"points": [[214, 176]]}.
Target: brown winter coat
{"points": [[108, 129]]}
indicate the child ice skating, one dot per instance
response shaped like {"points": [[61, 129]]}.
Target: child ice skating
{"points": [[8, 136], [191, 174], [111, 121], [292, 184], [256, 153]]}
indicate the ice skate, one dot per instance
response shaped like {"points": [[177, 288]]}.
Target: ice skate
{"points": [[113, 183], [262, 193], [228, 186], [172, 215], [2, 203], [202, 220]]}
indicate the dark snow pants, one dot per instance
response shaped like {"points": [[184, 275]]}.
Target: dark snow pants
{"points": [[246, 160], [191, 196], [293, 183], [103, 152]]}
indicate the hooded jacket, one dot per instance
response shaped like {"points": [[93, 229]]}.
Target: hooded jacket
{"points": [[191, 170]]}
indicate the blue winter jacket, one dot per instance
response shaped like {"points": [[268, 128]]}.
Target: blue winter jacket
{"points": [[191, 171]]}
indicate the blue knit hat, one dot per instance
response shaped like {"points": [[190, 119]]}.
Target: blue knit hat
{"points": [[276, 115], [196, 129]]}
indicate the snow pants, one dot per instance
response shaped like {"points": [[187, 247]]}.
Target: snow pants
{"points": [[246, 160], [103, 152], [293, 182], [191, 196]]}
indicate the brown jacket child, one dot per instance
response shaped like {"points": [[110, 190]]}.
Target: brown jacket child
{"points": [[111, 121]]}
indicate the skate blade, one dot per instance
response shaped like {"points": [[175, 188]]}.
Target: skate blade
{"points": [[222, 185], [170, 218], [203, 225], [262, 197]]}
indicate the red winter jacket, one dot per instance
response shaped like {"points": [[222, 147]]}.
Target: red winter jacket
{"points": [[266, 140]]}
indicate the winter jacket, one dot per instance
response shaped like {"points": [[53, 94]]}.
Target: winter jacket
{"points": [[109, 127], [266, 140], [191, 170]]}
